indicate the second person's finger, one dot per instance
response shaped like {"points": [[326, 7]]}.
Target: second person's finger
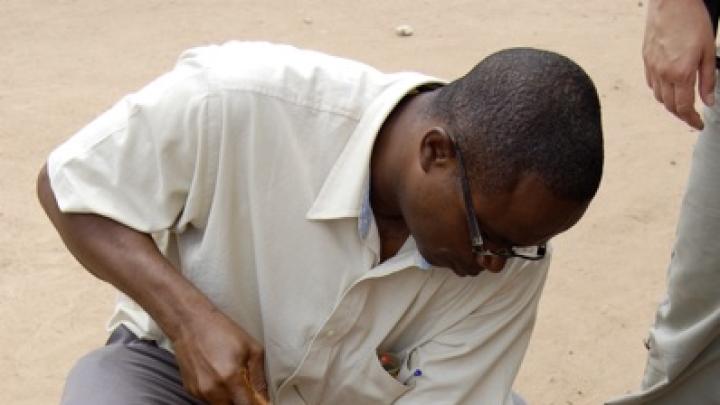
{"points": [[667, 95], [685, 105]]}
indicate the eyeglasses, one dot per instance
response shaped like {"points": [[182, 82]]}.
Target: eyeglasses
{"points": [[476, 239]]}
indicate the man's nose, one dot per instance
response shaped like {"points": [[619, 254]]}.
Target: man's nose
{"points": [[493, 264]]}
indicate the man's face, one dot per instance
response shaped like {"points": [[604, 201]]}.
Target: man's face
{"points": [[528, 215]]}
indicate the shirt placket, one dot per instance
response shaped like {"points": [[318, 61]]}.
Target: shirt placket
{"points": [[314, 364]]}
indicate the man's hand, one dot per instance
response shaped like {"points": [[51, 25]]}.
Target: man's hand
{"points": [[220, 363], [678, 47], [218, 360]]}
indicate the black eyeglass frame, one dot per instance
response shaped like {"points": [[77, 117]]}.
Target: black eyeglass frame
{"points": [[476, 239]]}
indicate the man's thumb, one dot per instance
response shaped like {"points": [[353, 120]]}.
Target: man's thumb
{"points": [[706, 79]]}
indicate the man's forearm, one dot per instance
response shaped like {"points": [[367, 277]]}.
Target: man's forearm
{"points": [[129, 260], [212, 351]]}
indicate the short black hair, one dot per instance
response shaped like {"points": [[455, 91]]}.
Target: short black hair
{"points": [[526, 111]]}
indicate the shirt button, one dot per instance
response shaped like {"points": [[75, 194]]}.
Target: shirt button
{"points": [[330, 333]]}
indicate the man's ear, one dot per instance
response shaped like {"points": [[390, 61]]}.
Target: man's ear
{"points": [[436, 149]]}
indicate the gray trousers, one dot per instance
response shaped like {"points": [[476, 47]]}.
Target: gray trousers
{"points": [[126, 371], [683, 365]]}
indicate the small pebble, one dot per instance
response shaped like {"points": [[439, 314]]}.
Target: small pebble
{"points": [[672, 163], [404, 30], [307, 20], [640, 3]]}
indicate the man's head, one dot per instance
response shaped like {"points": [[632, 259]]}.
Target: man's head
{"points": [[527, 126]]}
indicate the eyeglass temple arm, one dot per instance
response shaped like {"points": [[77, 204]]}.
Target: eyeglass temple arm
{"points": [[475, 235]]}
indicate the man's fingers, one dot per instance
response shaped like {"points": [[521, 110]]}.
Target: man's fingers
{"points": [[648, 76], [256, 365], [657, 90], [679, 100], [214, 392], [706, 77], [241, 393], [695, 121], [667, 96], [684, 104]]}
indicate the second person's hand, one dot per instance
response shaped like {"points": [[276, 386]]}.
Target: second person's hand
{"points": [[678, 51]]}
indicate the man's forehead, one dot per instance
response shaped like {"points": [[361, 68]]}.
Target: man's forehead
{"points": [[530, 214]]}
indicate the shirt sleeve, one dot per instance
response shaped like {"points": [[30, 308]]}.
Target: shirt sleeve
{"points": [[144, 162], [476, 360]]}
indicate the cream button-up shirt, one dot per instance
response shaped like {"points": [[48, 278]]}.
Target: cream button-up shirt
{"points": [[249, 164]]}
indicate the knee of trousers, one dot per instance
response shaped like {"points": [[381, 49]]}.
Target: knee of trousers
{"points": [[125, 374]]}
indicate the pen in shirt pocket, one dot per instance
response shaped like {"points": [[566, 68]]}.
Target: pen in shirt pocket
{"points": [[392, 364], [416, 373]]}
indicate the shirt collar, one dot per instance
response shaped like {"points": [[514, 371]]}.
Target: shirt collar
{"points": [[343, 191]]}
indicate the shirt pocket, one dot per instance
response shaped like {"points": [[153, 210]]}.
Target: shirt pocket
{"points": [[377, 385], [360, 382]]}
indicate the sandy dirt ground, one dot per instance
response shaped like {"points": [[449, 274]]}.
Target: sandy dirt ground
{"points": [[64, 61]]}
